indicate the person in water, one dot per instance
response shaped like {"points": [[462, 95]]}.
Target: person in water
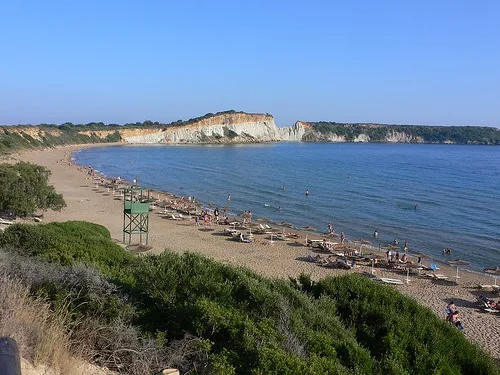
{"points": [[307, 193], [229, 198]]}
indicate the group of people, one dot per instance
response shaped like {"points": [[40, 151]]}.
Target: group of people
{"points": [[491, 304], [332, 261], [206, 218], [396, 257], [452, 315]]}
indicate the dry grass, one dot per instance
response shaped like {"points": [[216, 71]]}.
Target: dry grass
{"points": [[40, 333]]}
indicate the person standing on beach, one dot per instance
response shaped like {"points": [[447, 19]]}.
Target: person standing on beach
{"points": [[342, 238], [216, 215]]}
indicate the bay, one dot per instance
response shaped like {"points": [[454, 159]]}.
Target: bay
{"points": [[433, 196]]}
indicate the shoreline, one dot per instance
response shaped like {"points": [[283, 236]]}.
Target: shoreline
{"points": [[413, 255], [281, 259]]}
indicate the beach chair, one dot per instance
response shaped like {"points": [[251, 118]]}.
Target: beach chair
{"points": [[6, 222], [175, 217], [391, 281]]}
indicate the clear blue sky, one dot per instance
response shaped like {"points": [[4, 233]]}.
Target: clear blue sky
{"points": [[406, 62]]}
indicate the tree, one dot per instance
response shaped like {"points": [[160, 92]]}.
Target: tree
{"points": [[24, 189]]}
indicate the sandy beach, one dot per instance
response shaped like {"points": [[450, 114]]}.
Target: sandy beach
{"points": [[88, 201]]}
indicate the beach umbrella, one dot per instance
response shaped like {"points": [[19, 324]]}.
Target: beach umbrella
{"points": [[457, 263], [494, 272]]}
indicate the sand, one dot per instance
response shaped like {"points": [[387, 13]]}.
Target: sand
{"points": [[88, 201]]}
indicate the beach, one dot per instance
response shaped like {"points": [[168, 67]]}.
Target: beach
{"points": [[87, 200]]}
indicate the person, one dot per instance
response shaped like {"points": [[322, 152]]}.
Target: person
{"points": [[226, 220], [449, 310], [455, 320], [406, 246], [229, 198], [389, 255], [216, 213], [375, 234], [395, 242], [307, 193], [244, 239], [330, 228], [342, 238]]}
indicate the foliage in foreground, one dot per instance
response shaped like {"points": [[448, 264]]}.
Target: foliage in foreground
{"points": [[238, 322], [24, 189]]}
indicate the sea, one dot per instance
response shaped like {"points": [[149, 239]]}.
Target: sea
{"points": [[433, 196]]}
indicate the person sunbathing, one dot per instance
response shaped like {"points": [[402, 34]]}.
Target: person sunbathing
{"points": [[244, 239]]}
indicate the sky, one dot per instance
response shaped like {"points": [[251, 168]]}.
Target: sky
{"points": [[396, 62]]}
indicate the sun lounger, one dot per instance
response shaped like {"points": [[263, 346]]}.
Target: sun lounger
{"points": [[439, 276], [230, 232], [281, 237], [484, 286], [175, 217], [391, 281], [6, 222]]}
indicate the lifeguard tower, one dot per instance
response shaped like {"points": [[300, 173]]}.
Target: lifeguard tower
{"points": [[135, 214]]}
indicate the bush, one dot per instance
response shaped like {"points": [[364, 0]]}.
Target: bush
{"points": [[24, 189], [236, 321]]}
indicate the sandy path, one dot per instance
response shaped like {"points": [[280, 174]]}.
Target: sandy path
{"points": [[88, 202]]}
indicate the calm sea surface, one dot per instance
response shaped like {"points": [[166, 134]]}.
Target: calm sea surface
{"points": [[359, 188]]}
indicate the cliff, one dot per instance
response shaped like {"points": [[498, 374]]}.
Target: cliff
{"points": [[220, 128], [238, 127]]}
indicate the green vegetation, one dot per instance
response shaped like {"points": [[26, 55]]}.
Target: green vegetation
{"points": [[24, 189], [203, 317], [427, 134]]}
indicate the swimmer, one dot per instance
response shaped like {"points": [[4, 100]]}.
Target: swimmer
{"points": [[307, 193], [229, 198]]}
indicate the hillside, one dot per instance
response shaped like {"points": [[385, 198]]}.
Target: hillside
{"points": [[232, 127]]}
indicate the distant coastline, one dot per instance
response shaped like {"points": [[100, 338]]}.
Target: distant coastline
{"points": [[231, 127]]}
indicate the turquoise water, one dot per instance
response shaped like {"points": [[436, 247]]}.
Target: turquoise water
{"points": [[359, 188]]}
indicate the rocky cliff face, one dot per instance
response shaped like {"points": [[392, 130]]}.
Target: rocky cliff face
{"points": [[225, 128]]}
